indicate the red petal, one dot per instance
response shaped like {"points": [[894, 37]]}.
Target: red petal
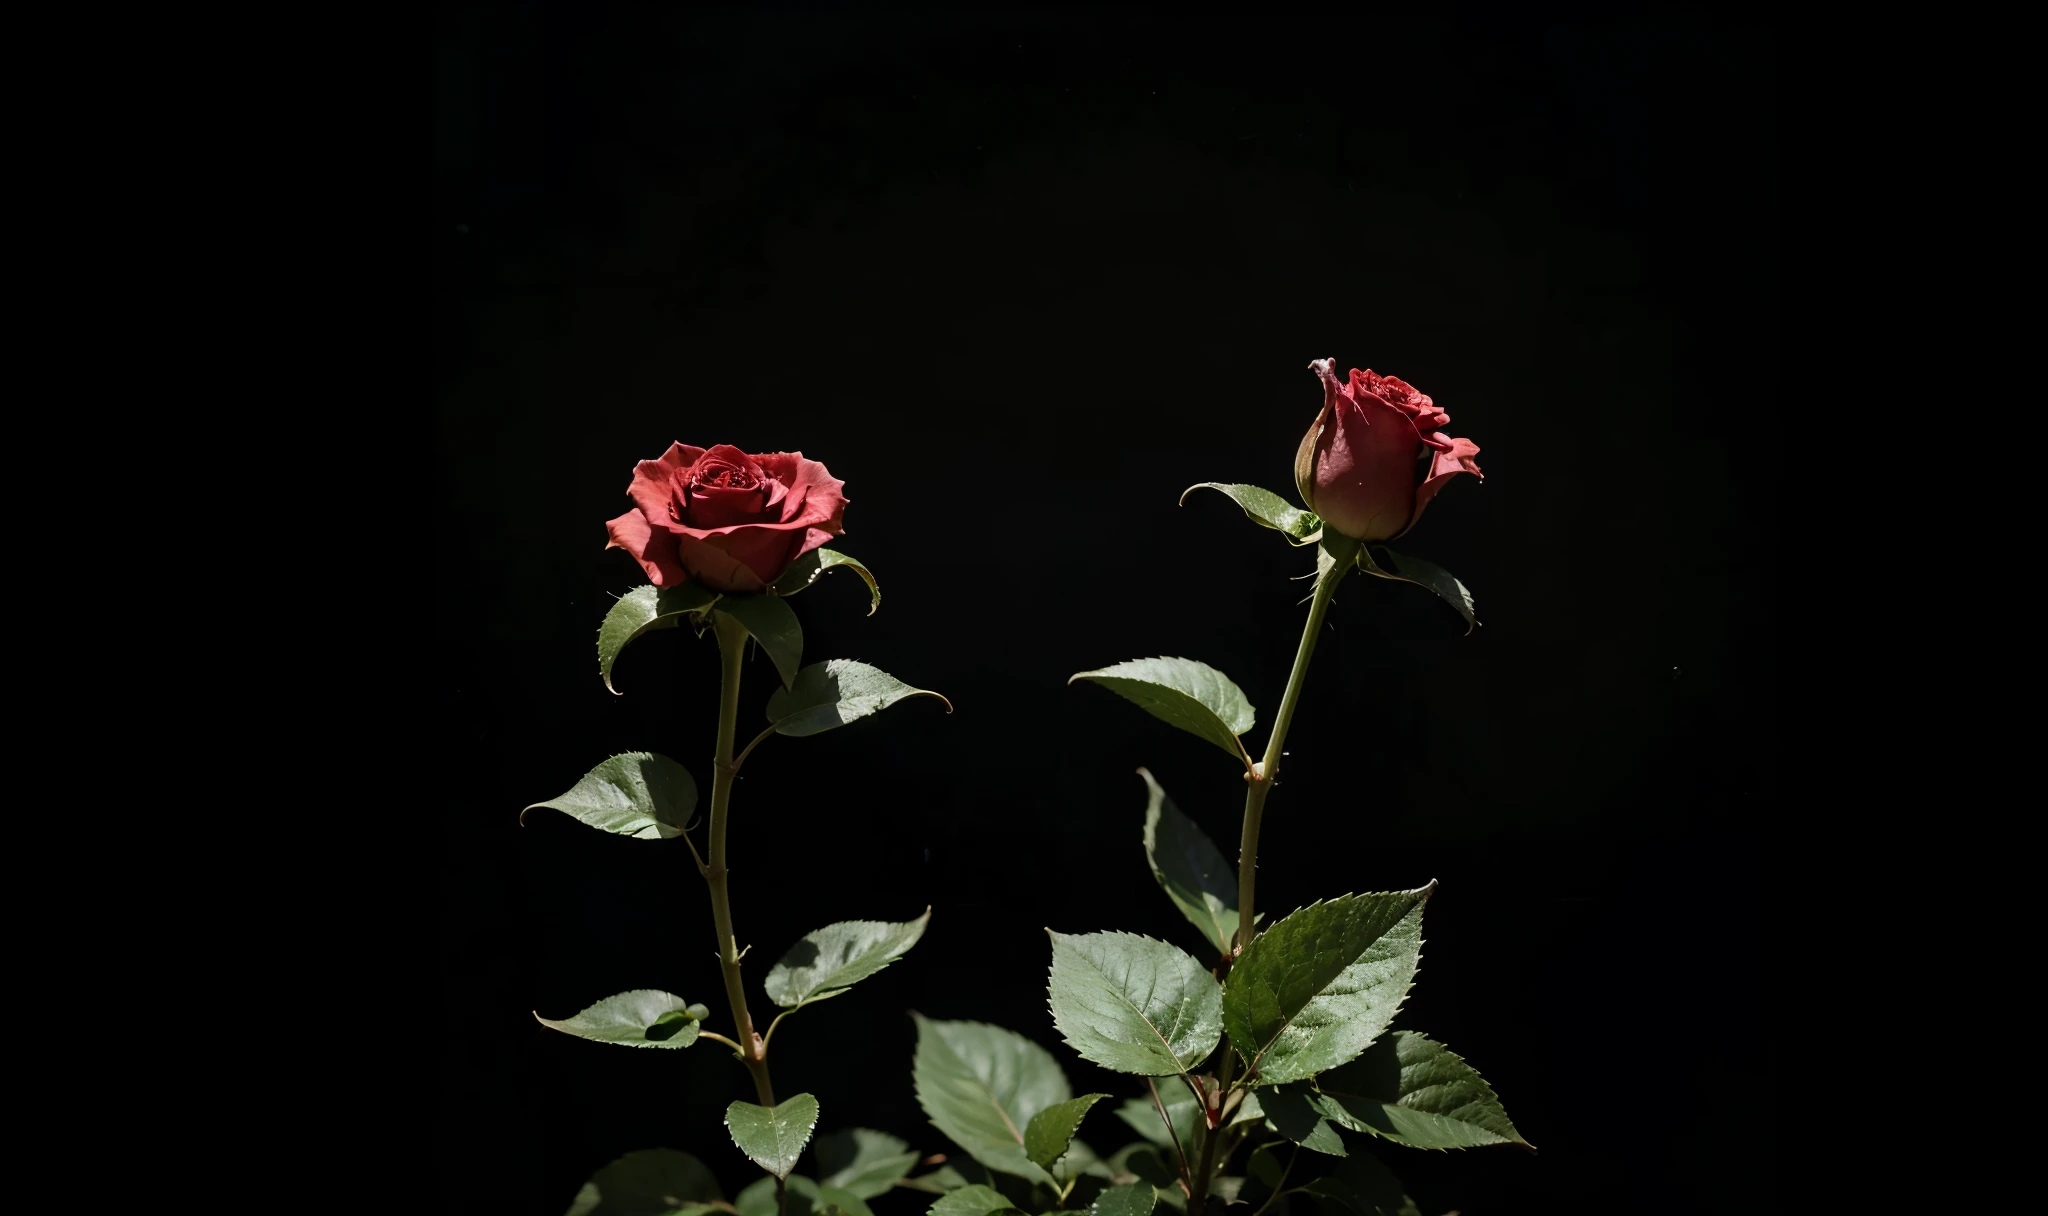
{"points": [[1365, 467], [1445, 465], [653, 548], [655, 487]]}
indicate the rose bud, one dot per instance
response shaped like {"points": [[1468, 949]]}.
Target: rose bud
{"points": [[1376, 455], [730, 521]]}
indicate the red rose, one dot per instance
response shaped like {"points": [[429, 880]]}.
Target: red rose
{"points": [[731, 521], [1376, 455]]}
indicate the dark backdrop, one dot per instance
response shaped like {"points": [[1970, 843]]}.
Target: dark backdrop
{"points": [[1019, 281]]}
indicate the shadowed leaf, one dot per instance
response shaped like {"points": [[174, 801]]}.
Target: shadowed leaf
{"points": [[637, 794]]}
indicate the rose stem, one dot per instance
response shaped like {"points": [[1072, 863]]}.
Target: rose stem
{"points": [[732, 649], [1259, 783]]}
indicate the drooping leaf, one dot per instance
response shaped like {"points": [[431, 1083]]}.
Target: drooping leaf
{"points": [[805, 570], [1366, 1186], [1384, 562], [1050, 1131], [638, 794], [826, 962], [649, 1182], [981, 1085], [1181, 1107], [863, 1161], [1266, 508], [971, 1201], [1316, 989], [1193, 696], [1413, 1090], [1131, 1199], [642, 610], [835, 692], [773, 625], [1133, 1004], [773, 1137], [1290, 1110], [1190, 868], [643, 1017]]}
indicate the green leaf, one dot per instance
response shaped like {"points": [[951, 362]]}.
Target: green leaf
{"points": [[971, 1201], [1190, 868], [773, 1137], [648, 1182], [1133, 1004], [637, 794], [1131, 1199], [643, 1017], [1316, 989], [1193, 696], [835, 692], [1366, 1186], [838, 1199], [1080, 1160], [1413, 1090], [863, 1161], [643, 609], [1384, 562], [802, 1198], [1290, 1110], [1138, 1160], [957, 1172], [773, 625], [1050, 1131], [1247, 1111], [1265, 1167], [1229, 1188], [1265, 507], [805, 570], [826, 962], [1181, 1108], [981, 1085]]}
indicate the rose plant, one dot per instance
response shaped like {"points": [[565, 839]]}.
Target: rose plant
{"points": [[1262, 1066], [1283, 1042], [725, 537]]}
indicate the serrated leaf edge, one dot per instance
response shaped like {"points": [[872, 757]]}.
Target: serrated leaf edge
{"points": [[816, 1109], [1425, 891], [1120, 996], [558, 1024], [600, 764], [1516, 1139]]}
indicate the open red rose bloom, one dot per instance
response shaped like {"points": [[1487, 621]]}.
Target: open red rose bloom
{"points": [[1376, 454], [730, 521]]}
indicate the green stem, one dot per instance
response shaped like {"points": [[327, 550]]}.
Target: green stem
{"points": [[732, 650], [1260, 782], [1343, 554]]}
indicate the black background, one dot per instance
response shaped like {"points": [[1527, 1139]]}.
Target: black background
{"points": [[1019, 281]]}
